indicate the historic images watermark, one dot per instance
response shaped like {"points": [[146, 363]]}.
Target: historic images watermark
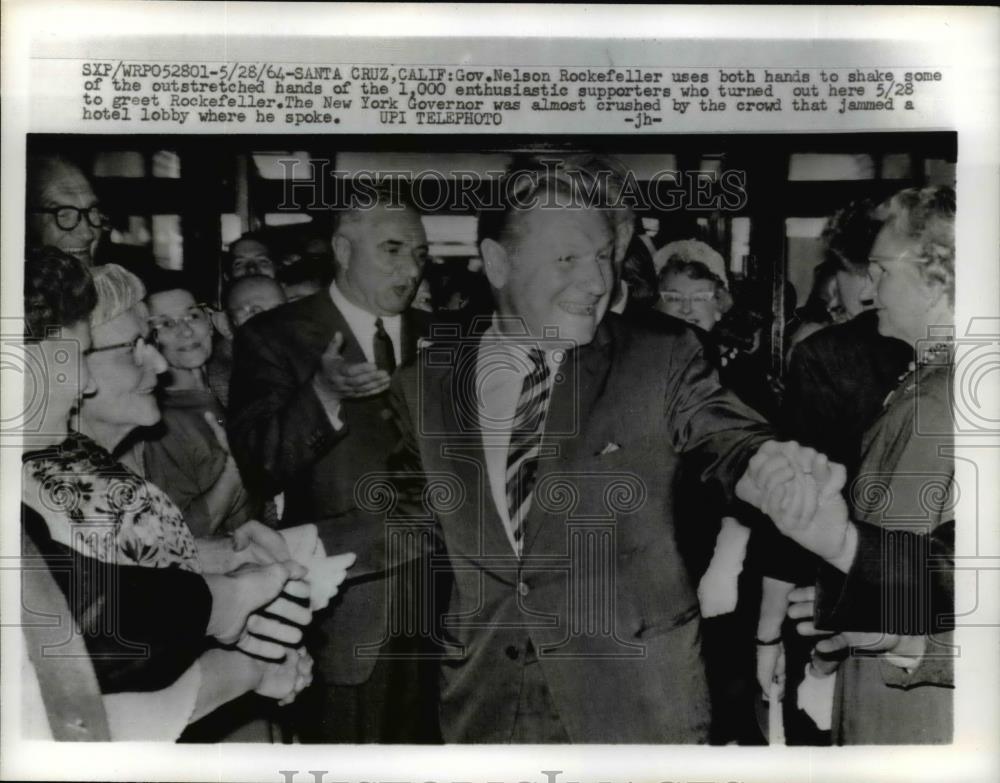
{"points": [[320, 186]]}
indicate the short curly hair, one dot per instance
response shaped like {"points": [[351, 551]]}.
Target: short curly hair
{"points": [[58, 292], [927, 217]]}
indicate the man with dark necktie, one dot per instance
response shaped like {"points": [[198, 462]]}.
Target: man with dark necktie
{"points": [[309, 417]]}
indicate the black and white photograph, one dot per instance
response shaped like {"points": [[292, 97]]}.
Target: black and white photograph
{"points": [[375, 411]]}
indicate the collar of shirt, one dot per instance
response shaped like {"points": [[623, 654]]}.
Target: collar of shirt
{"points": [[501, 367], [362, 324]]}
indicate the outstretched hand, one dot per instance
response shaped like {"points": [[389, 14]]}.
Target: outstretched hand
{"points": [[345, 380], [800, 490]]}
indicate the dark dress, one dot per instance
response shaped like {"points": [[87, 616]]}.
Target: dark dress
{"points": [[906, 488], [142, 627]]}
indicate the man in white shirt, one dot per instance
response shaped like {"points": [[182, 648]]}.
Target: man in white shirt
{"points": [[309, 417]]}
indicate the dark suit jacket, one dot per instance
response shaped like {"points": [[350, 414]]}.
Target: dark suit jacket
{"points": [[283, 441], [142, 627], [601, 592], [836, 382]]}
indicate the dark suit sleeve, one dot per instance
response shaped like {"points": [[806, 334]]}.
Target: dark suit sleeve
{"points": [[143, 627], [715, 431], [900, 582], [277, 425]]}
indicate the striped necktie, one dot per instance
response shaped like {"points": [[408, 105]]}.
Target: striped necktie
{"points": [[525, 443]]}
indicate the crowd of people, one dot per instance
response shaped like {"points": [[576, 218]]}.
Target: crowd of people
{"points": [[365, 497]]}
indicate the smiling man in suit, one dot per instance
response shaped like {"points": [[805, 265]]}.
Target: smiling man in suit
{"points": [[572, 618], [309, 416]]}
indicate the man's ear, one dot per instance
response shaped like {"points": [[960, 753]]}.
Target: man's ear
{"points": [[341, 251], [496, 262], [222, 323]]}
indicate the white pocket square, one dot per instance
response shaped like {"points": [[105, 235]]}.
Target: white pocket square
{"points": [[609, 449]]}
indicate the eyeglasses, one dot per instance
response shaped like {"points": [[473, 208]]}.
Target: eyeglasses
{"points": [[197, 315], [675, 298], [68, 218], [137, 346]]}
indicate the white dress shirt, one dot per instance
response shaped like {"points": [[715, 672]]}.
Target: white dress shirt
{"points": [[501, 367], [362, 326]]}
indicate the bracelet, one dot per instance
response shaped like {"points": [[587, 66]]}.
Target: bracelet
{"points": [[769, 643]]}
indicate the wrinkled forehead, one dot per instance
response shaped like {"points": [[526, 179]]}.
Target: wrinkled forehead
{"points": [[250, 248], [581, 229], [122, 328], [890, 243], [384, 223], [63, 184]]}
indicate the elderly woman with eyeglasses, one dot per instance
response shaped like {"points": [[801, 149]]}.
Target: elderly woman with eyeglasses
{"points": [[888, 593], [92, 515], [186, 453], [85, 482]]}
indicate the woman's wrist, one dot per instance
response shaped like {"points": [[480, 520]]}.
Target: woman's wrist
{"points": [[848, 549], [225, 675], [221, 625]]}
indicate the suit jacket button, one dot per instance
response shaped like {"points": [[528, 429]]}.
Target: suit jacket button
{"points": [[512, 652], [523, 589]]}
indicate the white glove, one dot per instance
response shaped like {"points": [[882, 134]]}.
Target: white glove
{"points": [[325, 573], [815, 697], [718, 590]]}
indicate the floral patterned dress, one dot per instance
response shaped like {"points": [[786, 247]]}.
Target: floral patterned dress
{"points": [[97, 506]]}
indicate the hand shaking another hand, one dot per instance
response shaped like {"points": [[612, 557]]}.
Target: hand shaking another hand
{"points": [[800, 490]]}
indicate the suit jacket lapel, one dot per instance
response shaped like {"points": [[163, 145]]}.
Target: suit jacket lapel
{"points": [[463, 441], [321, 320], [585, 374]]}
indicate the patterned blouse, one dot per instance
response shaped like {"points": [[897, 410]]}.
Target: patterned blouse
{"points": [[97, 506]]}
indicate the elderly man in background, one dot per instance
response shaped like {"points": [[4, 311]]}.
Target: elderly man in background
{"points": [[62, 209], [309, 417]]}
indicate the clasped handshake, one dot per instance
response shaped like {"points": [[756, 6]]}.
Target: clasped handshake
{"points": [[265, 586], [801, 491]]}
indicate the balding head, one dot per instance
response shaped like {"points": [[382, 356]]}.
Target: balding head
{"points": [[251, 295], [380, 256]]}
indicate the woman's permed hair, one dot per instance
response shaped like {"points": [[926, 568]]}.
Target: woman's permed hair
{"points": [[926, 216], [118, 291], [58, 292]]}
